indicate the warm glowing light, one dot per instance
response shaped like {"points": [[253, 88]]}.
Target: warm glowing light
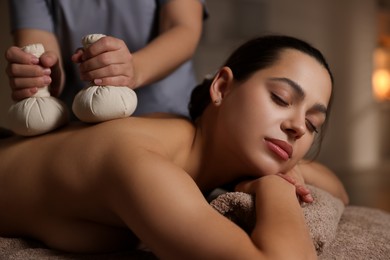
{"points": [[381, 74], [381, 84]]}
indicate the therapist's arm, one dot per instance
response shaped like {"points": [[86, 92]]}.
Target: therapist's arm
{"points": [[180, 28]]}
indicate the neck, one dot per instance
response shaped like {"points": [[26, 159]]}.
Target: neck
{"points": [[208, 163]]}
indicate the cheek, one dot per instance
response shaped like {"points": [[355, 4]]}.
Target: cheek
{"points": [[303, 146], [243, 121], [254, 108], [243, 110], [253, 121]]}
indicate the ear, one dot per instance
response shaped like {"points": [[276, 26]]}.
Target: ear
{"points": [[221, 85]]}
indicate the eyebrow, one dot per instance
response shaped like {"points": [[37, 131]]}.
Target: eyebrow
{"points": [[301, 93]]}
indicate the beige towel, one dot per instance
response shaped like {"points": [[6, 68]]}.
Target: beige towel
{"points": [[361, 233], [322, 216]]}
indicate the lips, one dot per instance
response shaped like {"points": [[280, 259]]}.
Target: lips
{"points": [[280, 148]]}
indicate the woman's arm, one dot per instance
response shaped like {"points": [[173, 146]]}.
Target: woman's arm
{"points": [[167, 211], [280, 228]]}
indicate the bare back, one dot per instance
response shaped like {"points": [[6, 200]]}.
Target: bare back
{"points": [[54, 184]]}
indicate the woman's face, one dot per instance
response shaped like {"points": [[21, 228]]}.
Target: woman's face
{"points": [[271, 119]]}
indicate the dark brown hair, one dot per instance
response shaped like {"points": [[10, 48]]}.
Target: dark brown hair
{"points": [[254, 55]]}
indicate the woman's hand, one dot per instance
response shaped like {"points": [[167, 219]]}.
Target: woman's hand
{"points": [[27, 73], [320, 176], [295, 177], [108, 61]]}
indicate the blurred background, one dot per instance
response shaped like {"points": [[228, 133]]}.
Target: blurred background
{"points": [[353, 35]]}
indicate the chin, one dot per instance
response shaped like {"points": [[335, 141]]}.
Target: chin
{"points": [[270, 169], [263, 165]]}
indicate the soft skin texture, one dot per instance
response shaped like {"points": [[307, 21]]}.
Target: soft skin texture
{"points": [[152, 172], [270, 93], [109, 62]]}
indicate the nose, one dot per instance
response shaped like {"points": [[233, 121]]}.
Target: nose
{"points": [[294, 127]]}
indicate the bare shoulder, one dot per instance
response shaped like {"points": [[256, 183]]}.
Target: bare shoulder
{"points": [[172, 216], [92, 142], [146, 139]]}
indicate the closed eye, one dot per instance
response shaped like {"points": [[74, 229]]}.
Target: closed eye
{"points": [[278, 100], [311, 127], [282, 102]]}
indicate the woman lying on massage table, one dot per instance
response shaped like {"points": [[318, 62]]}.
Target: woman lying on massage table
{"points": [[93, 188]]}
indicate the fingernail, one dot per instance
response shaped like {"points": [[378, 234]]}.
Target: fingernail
{"points": [[34, 60], [46, 80], [97, 81], [299, 188], [47, 71]]}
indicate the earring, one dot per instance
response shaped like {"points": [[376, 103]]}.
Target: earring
{"points": [[218, 101]]}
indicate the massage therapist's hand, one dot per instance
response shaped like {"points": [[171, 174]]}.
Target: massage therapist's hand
{"points": [[108, 61], [27, 73]]}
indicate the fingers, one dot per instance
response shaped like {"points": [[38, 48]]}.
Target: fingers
{"points": [[26, 87], [49, 59], [22, 70], [115, 81], [303, 193], [99, 69], [77, 55], [17, 55], [105, 52], [105, 44], [27, 73], [107, 62], [25, 79], [122, 57], [18, 83], [113, 75]]}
